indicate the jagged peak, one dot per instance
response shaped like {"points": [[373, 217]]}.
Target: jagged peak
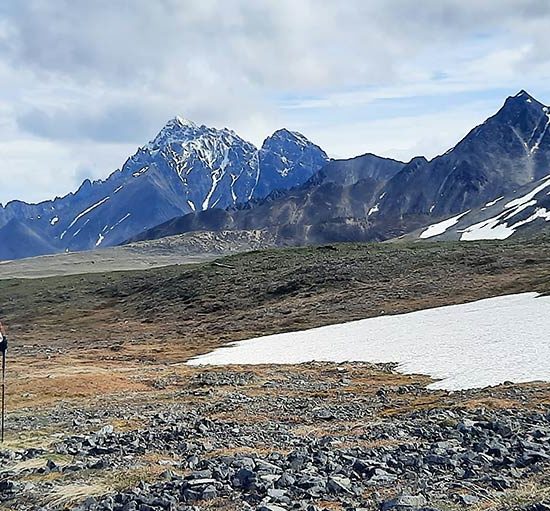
{"points": [[523, 94], [522, 99], [286, 133], [182, 121], [418, 160], [179, 129], [282, 135]]}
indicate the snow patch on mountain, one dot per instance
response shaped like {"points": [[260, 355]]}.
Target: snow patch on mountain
{"points": [[528, 196], [492, 203], [498, 227], [535, 147], [374, 209], [441, 227], [83, 213]]}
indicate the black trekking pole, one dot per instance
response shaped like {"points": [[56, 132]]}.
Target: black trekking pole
{"points": [[4, 348]]}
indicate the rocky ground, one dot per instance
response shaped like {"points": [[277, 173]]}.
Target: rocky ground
{"points": [[314, 436], [104, 414]]}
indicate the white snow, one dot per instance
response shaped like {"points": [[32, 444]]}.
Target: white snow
{"points": [[495, 228], [191, 204], [80, 215], [77, 232], [54, 220], [539, 140], [99, 240], [491, 229], [118, 189], [441, 227], [256, 163], [464, 346], [529, 196], [141, 171], [374, 209], [539, 213], [217, 176], [493, 202], [233, 181], [127, 215]]}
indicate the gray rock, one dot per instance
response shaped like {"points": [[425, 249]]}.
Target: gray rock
{"points": [[404, 503]]}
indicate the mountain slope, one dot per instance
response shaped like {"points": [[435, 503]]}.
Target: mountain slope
{"points": [[508, 150], [13, 232], [342, 189], [185, 168], [524, 212], [370, 198]]}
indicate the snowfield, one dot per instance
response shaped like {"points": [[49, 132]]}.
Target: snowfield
{"points": [[464, 346]]}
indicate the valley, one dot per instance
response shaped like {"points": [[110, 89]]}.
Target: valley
{"points": [[187, 248]]}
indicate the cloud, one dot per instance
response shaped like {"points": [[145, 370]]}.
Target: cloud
{"points": [[108, 74], [120, 124], [174, 44]]}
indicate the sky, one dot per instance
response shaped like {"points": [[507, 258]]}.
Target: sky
{"points": [[86, 82]]}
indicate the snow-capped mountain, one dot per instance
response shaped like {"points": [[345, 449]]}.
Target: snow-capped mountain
{"points": [[192, 177], [185, 168], [371, 198], [286, 156]]}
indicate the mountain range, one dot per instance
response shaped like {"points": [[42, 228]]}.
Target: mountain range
{"points": [[369, 198], [185, 168], [192, 177]]}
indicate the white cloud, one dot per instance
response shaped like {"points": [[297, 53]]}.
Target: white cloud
{"points": [[83, 80]]}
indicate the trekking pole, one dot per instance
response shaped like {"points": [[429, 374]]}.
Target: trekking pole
{"points": [[4, 347]]}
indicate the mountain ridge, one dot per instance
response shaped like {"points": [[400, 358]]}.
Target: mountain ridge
{"points": [[509, 150], [192, 177], [184, 168]]}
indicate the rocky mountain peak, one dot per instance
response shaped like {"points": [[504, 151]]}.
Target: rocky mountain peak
{"points": [[283, 138], [518, 106], [176, 129]]}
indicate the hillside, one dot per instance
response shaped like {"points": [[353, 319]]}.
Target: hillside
{"points": [[103, 411], [187, 248], [271, 291]]}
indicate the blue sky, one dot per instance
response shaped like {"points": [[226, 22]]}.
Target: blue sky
{"points": [[85, 83]]}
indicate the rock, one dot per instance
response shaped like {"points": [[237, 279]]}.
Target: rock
{"points": [[200, 474], [271, 507], [469, 500], [404, 503], [285, 481], [276, 493], [323, 414], [380, 476], [266, 466], [106, 430], [193, 483], [337, 484], [500, 483], [209, 492]]}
